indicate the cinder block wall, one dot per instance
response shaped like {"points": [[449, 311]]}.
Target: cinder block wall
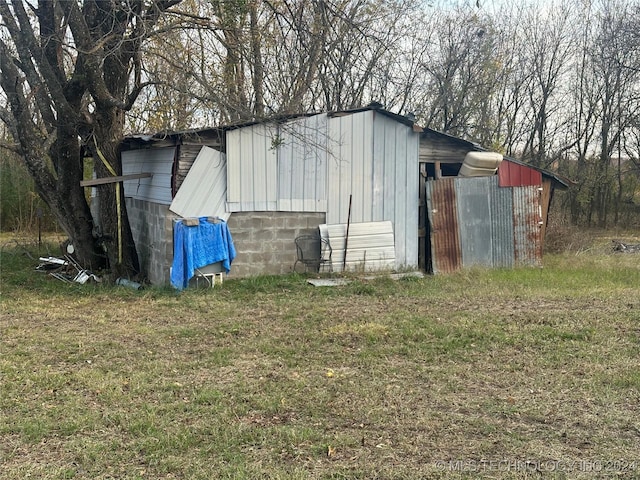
{"points": [[152, 229], [264, 241]]}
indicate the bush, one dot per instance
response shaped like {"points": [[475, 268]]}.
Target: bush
{"points": [[561, 236]]}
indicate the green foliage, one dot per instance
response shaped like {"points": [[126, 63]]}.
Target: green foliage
{"points": [[19, 204]]}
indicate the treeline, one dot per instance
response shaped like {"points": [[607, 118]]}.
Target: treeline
{"points": [[555, 83]]}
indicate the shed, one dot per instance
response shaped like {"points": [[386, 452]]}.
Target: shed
{"points": [[276, 179], [494, 221]]}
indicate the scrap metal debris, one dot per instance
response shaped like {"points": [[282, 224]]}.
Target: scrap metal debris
{"points": [[622, 247], [328, 282], [66, 270]]}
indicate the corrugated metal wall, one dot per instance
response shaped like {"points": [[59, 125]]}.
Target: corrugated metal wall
{"points": [[158, 162], [511, 174], [446, 255], [370, 246], [527, 225], [204, 189], [302, 165], [377, 164], [350, 168], [502, 225], [315, 164], [252, 170], [474, 221]]}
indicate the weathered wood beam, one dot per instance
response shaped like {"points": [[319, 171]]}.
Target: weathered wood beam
{"points": [[121, 178]]}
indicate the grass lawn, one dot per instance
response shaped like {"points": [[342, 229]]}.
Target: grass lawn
{"points": [[526, 373]]}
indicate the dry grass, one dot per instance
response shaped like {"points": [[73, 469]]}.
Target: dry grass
{"points": [[461, 376]]}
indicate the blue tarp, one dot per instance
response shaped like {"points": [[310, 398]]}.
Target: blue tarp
{"points": [[197, 246]]}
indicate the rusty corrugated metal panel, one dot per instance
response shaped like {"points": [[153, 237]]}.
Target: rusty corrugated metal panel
{"points": [[502, 225], [526, 226], [511, 174], [443, 218], [474, 220]]}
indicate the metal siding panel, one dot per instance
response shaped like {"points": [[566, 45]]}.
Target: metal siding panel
{"points": [[306, 182], [474, 220], [443, 218], [395, 150], [503, 173], [302, 164], [502, 226], [247, 168], [536, 178], [346, 166], [299, 149], [390, 141], [251, 169], [286, 154], [370, 246], [265, 180], [378, 171], [526, 228], [400, 190], [334, 172], [362, 180], [233, 167], [357, 153], [323, 156], [515, 175], [378, 165], [366, 184], [204, 189], [340, 174], [158, 162], [412, 199]]}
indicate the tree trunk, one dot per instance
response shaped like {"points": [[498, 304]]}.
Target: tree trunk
{"points": [[69, 202], [115, 231], [66, 198]]}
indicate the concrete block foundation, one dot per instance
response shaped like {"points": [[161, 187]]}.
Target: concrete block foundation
{"points": [[264, 241]]}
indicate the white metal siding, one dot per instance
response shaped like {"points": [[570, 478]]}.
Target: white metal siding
{"points": [[370, 246], [158, 162], [377, 163], [204, 189], [252, 171], [302, 165], [321, 162], [350, 168]]}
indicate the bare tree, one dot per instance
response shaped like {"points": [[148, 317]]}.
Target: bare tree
{"points": [[460, 72], [69, 71], [617, 102]]}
